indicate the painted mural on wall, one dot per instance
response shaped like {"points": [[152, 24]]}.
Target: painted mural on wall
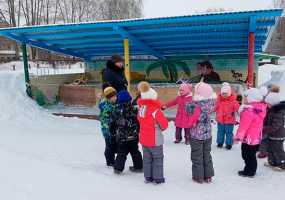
{"points": [[232, 70]]}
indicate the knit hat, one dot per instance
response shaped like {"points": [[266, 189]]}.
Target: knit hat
{"points": [[272, 98], [117, 58], [146, 91], [185, 89], [253, 95], [124, 97], [204, 91], [109, 92], [226, 89]]}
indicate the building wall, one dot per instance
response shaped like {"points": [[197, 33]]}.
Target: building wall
{"points": [[276, 44], [7, 47]]}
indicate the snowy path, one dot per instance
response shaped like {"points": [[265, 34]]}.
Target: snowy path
{"points": [[45, 157]]}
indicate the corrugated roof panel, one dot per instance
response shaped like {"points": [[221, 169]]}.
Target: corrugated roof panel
{"points": [[168, 36]]}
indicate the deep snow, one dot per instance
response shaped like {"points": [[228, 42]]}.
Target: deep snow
{"points": [[48, 157]]}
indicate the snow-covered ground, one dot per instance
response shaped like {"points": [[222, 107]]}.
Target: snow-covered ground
{"points": [[48, 157], [44, 69]]}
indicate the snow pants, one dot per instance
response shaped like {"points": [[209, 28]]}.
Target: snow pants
{"points": [[249, 157], [110, 151], [178, 134], [276, 154], [123, 150], [225, 131], [202, 164], [153, 163]]}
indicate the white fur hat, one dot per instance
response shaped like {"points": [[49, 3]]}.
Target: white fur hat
{"points": [[150, 94], [146, 91]]}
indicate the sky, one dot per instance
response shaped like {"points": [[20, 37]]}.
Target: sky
{"points": [[161, 8]]}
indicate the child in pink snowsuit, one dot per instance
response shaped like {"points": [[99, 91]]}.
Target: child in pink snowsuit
{"points": [[183, 120], [250, 130]]}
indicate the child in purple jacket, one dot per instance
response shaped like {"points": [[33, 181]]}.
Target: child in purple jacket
{"points": [[201, 136]]}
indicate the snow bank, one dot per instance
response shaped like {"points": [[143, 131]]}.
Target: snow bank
{"points": [[273, 74], [46, 157]]}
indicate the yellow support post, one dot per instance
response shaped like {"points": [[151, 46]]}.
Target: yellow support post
{"points": [[127, 63]]}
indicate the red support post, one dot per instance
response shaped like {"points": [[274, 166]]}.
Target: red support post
{"points": [[250, 69]]}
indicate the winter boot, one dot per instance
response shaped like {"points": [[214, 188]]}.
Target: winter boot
{"points": [[177, 141], [197, 180], [133, 169], [242, 174], [220, 145], [148, 180], [117, 172], [208, 180], [159, 181], [262, 155], [229, 147]]}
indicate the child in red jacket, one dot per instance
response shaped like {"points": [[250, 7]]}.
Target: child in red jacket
{"points": [[227, 107], [152, 123]]}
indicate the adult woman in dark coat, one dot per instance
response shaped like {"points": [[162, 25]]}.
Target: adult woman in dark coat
{"points": [[114, 74]]}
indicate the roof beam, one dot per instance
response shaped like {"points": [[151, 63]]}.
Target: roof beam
{"points": [[69, 42], [23, 40], [253, 24], [203, 42], [134, 40], [80, 36], [202, 28], [88, 42], [71, 34], [201, 36], [86, 47]]}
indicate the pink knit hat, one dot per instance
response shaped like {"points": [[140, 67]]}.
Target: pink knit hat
{"points": [[185, 89], [204, 91], [226, 89]]}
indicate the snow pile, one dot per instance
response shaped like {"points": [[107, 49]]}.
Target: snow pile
{"points": [[46, 157], [273, 74]]}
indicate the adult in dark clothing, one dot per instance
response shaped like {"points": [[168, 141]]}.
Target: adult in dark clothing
{"points": [[125, 128], [200, 73], [274, 127], [114, 74], [210, 76]]}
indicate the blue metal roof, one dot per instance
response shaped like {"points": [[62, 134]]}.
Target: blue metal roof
{"points": [[208, 34]]}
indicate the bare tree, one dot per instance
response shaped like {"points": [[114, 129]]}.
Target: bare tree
{"points": [[279, 3], [121, 9]]}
